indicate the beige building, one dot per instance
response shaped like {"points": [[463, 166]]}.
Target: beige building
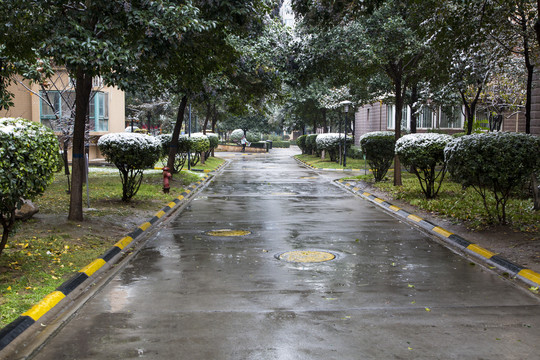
{"points": [[55, 100]]}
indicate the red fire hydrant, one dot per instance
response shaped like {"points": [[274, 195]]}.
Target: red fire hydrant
{"points": [[166, 176]]}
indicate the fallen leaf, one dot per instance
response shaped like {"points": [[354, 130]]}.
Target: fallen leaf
{"points": [[411, 286], [428, 309], [9, 288]]}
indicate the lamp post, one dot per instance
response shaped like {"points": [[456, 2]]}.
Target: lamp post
{"points": [[345, 105]]}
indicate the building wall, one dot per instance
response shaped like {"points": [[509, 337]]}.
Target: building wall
{"points": [[535, 109], [27, 106], [369, 118]]}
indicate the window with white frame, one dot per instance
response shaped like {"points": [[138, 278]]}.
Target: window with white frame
{"points": [[425, 118], [451, 117], [391, 117]]}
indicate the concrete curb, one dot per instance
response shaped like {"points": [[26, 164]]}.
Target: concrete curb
{"points": [[59, 297], [455, 241], [314, 168]]}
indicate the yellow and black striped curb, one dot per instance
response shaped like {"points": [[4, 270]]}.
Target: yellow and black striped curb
{"points": [[515, 271], [314, 168], [27, 319], [209, 171]]}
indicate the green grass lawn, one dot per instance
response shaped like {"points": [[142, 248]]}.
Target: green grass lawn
{"points": [[45, 251], [316, 162]]}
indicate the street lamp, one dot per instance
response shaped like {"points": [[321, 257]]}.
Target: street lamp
{"points": [[345, 105]]}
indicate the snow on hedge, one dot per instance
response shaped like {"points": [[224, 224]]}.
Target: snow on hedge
{"points": [[127, 141], [330, 140], [415, 142], [237, 135]]}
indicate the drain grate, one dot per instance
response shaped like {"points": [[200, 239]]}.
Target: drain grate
{"points": [[306, 256], [228, 232]]}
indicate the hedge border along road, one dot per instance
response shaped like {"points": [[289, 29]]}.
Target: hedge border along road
{"points": [[55, 298], [455, 241], [315, 168]]}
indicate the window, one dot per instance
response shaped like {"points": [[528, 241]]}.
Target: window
{"points": [[450, 118], [482, 119], [425, 118], [63, 103], [99, 111], [391, 117]]}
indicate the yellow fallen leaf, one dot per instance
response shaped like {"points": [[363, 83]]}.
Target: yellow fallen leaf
{"points": [[428, 309], [411, 286], [410, 348], [9, 288], [54, 277]]}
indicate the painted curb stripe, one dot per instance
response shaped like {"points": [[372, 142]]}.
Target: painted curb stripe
{"points": [[145, 226], [508, 265], [44, 305], [11, 331], [93, 267], [458, 240], [530, 275], [394, 208], [415, 218], [480, 251], [68, 286], [109, 254], [14, 329], [124, 242], [442, 231]]}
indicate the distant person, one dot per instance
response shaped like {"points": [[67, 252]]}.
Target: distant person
{"points": [[243, 142]]}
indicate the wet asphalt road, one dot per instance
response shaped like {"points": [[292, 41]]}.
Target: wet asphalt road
{"points": [[391, 293]]}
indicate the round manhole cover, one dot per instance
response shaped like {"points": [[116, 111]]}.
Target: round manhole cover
{"points": [[306, 256], [228, 232]]}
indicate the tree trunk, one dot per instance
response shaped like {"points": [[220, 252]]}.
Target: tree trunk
{"points": [[214, 122], [414, 100], [325, 123], [207, 119], [399, 90], [536, 191], [176, 132], [83, 89], [470, 109], [530, 72]]}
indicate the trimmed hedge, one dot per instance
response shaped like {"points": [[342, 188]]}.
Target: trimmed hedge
{"points": [[301, 142], [379, 148], [493, 164], [281, 144], [131, 153], [423, 153], [330, 142], [311, 144]]}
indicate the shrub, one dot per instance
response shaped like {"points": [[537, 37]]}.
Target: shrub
{"points": [[236, 135], [253, 137], [493, 164], [181, 153], [330, 142], [354, 152], [281, 144], [198, 143], [311, 144], [301, 142], [423, 153], [379, 149], [28, 160], [214, 142], [131, 153]]}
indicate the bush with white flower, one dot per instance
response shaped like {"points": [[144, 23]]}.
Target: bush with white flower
{"points": [[424, 154], [494, 164], [237, 135], [131, 153], [378, 146], [331, 142], [28, 159]]}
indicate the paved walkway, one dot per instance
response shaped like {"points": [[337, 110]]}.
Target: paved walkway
{"points": [[390, 292]]}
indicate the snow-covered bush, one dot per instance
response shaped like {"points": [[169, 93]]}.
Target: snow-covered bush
{"points": [[28, 160], [379, 148], [495, 164], [237, 135], [424, 153], [301, 142], [198, 143], [311, 144], [214, 142], [331, 142], [131, 153], [181, 152]]}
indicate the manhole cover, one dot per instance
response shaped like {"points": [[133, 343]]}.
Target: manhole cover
{"points": [[306, 256], [228, 232]]}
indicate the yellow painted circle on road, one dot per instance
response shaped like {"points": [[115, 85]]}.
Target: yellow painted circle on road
{"points": [[229, 232], [307, 256]]}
